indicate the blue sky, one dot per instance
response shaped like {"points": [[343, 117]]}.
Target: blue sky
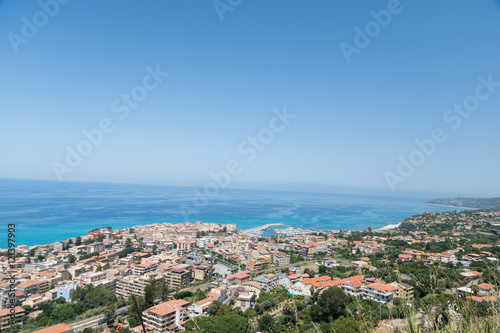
{"points": [[352, 119]]}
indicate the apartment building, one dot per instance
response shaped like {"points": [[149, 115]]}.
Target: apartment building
{"points": [[405, 291], [269, 281], [258, 263], [238, 278], [202, 273], [133, 285], [32, 287], [280, 258], [145, 268], [36, 300], [178, 277], [166, 317], [65, 289], [76, 270], [379, 292], [8, 319], [184, 246]]}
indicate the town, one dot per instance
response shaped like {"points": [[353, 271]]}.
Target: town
{"points": [[217, 278]]}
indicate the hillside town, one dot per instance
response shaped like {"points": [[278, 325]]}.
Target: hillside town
{"points": [[211, 277]]}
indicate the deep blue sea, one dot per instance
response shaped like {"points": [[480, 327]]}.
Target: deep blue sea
{"points": [[49, 211]]}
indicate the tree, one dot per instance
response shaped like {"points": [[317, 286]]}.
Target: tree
{"points": [[150, 293], [99, 268], [343, 325], [163, 289], [322, 269], [128, 243], [78, 241], [266, 322], [214, 308], [333, 302], [71, 258], [109, 314]]}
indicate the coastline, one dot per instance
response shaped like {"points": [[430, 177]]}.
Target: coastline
{"points": [[389, 227], [443, 205]]}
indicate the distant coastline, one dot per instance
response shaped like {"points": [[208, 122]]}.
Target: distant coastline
{"points": [[444, 205]]}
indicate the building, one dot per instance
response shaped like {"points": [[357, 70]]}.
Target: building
{"points": [[33, 287], [178, 277], [379, 292], [269, 281], [166, 317], [202, 273], [184, 246], [133, 285], [405, 291], [36, 300], [8, 319], [238, 278], [258, 263], [486, 289], [95, 247], [76, 270], [145, 268], [254, 287], [280, 258], [65, 290], [245, 300]]}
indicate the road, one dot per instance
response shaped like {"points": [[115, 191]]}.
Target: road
{"points": [[92, 322]]}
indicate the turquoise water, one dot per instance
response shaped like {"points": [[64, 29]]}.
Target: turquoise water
{"points": [[49, 211]]}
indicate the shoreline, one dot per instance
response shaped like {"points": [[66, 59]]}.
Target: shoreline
{"points": [[389, 227], [443, 205]]}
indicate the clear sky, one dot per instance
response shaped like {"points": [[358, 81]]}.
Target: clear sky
{"points": [[359, 100]]}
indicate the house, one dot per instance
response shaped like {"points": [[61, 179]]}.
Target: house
{"points": [[331, 263], [486, 288], [447, 257], [166, 317], [200, 307], [245, 300], [254, 287], [238, 278]]}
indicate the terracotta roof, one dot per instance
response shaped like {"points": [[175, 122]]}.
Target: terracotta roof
{"points": [[167, 307], [59, 328]]}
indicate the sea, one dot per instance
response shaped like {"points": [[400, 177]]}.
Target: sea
{"points": [[50, 211]]}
